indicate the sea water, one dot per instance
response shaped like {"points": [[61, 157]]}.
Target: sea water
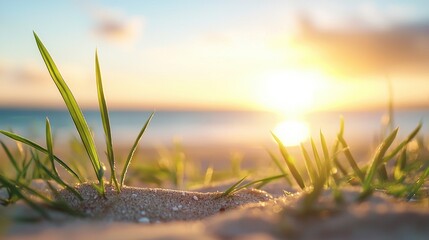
{"points": [[205, 128]]}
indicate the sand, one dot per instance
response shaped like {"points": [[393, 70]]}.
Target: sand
{"points": [[150, 213]]}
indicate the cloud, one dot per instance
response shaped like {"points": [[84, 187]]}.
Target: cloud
{"points": [[118, 28], [364, 51], [22, 74], [113, 25]]}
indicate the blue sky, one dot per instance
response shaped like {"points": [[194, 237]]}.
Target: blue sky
{"points": [[213, 54]]}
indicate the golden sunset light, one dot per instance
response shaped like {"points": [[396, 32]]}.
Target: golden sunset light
{"points": [[290, 92], [292, 132]]}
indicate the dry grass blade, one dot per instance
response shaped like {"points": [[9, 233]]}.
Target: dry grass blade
{"points": [[106, 124], [75, 113]]}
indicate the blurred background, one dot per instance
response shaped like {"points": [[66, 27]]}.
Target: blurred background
{"points": [[220, 75]]}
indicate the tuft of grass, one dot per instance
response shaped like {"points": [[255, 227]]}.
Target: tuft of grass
{"points": [[76, 115]]}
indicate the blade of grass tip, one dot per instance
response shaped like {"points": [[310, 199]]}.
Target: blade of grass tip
{"points": [[279, 166], [378, 159], [310, 168], [409, 138], [289, 162], [133, 149], [39, 148], [75, 112], [348, 153], [231, 189], [49, 146], [106, 124], [10, 157]]}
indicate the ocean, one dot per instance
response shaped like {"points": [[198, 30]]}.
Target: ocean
{"points": [[205, 128]]}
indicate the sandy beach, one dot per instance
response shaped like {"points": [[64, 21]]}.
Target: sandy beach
{"points": [[150, 213]]}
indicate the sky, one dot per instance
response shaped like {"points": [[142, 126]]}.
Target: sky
{"points": [[286, 56]]}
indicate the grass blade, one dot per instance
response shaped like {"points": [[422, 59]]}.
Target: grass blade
{"points": [[232, 188], [49, 146], [133, 149], [39, 148], [310, 168], [106, 124], [279, 166], [376, 163], [261, 182], [10, 157], [317, 158], [13, 189], [348, 154], [289, 162], [325, 151], [75, 113], [403, 143]]}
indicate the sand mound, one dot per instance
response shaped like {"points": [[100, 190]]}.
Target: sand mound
{"points": [[149, 205]]}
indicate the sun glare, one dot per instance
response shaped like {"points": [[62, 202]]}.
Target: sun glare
{"points": [[292, 132], [290, 92]]}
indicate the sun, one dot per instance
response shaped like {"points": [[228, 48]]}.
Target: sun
{"points": [[292, 132], [290, 92]]}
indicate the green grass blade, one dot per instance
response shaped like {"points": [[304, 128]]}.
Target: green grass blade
{"points": [[261, 182], [106, 124], [317, 158], [418, 184], [279, 166], [75, 112], [39, 148], [54, 176], [13, 189], [378, 160], [400, 164], [325, 151], [348, 153], [289, 162], [133, 149], [10, 157], [231, 189], [403, 143], [310, 168], [49, 146]]}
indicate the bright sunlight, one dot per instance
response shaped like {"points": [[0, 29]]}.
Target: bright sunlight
{"points": [[292, 132], [290, 92]]}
